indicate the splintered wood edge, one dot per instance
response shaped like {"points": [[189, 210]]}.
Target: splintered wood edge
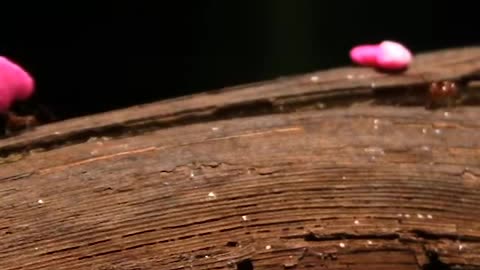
{"points": [[448, 64]]}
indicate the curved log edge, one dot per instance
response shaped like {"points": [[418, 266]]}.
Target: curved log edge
{"points": [[332, 88], [255, 177]]}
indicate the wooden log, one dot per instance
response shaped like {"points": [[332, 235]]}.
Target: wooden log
{"points": [[337, 169]]}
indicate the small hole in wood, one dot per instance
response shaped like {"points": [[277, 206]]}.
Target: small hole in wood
{"points": [[245, 265], [232, 243], [310, 237], [435, 263]]}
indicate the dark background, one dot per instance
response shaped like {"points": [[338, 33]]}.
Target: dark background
{"points": [[90, 57]]}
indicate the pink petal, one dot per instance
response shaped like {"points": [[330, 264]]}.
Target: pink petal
{"points": [[393, 55], [15, 79], [6, 99], [365, 54]]}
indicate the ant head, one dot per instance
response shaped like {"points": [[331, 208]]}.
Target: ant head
{"points": [[443, 89]]}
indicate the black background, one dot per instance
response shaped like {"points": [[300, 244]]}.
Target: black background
{"points": [[93, 57]]}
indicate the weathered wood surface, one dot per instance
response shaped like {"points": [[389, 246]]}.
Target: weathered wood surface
{"points": [[314, 171]]}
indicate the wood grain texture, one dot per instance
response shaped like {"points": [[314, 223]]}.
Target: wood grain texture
{"points": [[316, 171]]}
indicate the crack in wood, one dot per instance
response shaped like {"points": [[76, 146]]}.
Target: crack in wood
{"points": [[60, 250], [413, 235], [138, 233], [17, 176], [141, 245], [99, 242], [316, 237], [427, 235], [100, 254]]}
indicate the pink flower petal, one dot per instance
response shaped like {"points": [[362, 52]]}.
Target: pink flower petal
{"points": [[15, 83], [388, 54], [15, 78], [393, 55], [6, 99], [365, 54]]}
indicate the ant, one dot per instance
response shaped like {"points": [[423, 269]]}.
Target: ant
{"points": [[442, 93], [24, 117], [15, 122]]}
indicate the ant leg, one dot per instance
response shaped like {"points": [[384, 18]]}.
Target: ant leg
{"points": [[7, 131], [30, 122], [429, 103], [451, 102], [10, 118]]}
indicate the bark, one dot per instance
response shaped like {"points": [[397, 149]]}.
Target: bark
{"points": [[337, 169]]}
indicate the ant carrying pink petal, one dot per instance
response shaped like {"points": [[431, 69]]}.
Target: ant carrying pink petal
{"points": [[16, 84], [387, 55]]}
